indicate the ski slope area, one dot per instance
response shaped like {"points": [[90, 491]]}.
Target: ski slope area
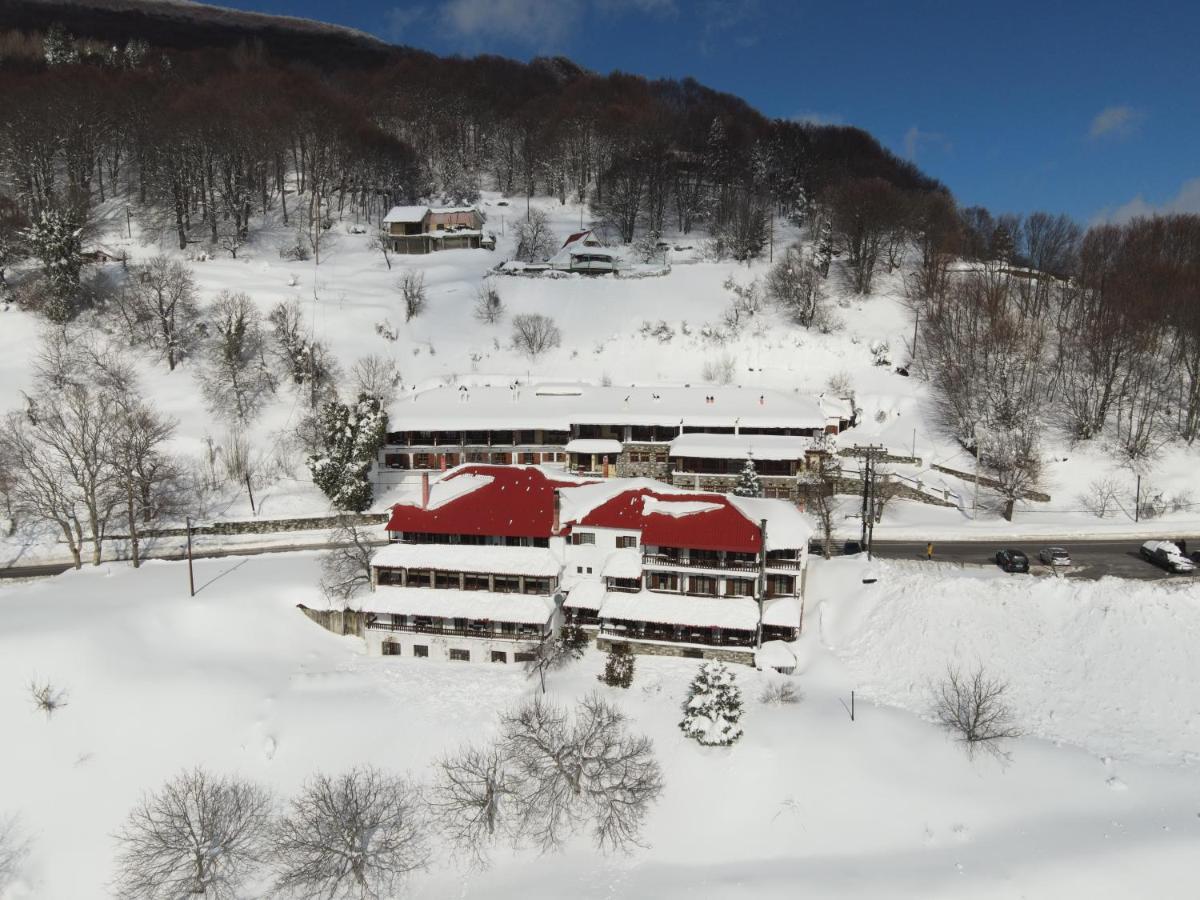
{"points": [[1098, 802]]}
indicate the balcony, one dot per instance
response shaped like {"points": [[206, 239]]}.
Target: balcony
{"points": [[705, 636], [524, 633], [662, 560]]}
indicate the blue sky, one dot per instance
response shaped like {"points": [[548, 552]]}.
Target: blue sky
{"points": [[1091, 108]]}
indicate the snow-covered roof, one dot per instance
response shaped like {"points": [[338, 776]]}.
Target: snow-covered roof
{"points": [[787, 527], [624, 563], [448, 210], [558, 406], [678, 609], [536, 561], [443, 490], [740, 446], [782, 611], [593, 445], [775, 655], [676, 508], [530, 609], [405, 214], [587, 594]]}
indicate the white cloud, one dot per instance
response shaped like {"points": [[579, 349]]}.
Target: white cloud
{"points": [[1115, 121], [915, 139], [811, 117], [399, 19], [1187, 200], [543, 24]]}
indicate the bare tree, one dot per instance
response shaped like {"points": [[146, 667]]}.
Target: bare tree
{"points": [[535, 240], [1101, 497], [236, 377], [974, 709], [355, 835], [472, 797], [346, 569], [383, 243], [822, 492], [147, 476], [412, 289], [158, 308], [489, 307], [534, 334], [14, 847], [47, 697], [865, 213], [575, 770], [794, 286], [377, 377], [311, 366], [1014, 461], [557, 652], [200, 835]]}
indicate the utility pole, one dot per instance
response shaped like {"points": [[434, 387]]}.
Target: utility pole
{"points": [[762, 580], [1137, 500], [870, 454], [191, 576], [250, 491], [916, 322]]}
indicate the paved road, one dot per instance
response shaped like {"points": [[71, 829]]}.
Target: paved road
{"points": [[1089, 558], [36, 571]]}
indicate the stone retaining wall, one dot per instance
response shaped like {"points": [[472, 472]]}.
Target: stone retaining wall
{"points": [[741, 656], [339, 621]]}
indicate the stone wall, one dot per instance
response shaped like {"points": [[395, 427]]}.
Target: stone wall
{"points": [[1037, 496], [339, 621], [657, 468], [740, 656], [266, 526]]}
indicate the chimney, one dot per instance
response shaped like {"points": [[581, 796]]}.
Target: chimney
{"points": [[424, 490], [556, 523]]}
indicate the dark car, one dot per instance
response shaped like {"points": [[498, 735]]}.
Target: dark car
{"points": [[851, 548], [1012, 561], [1166, 555]]}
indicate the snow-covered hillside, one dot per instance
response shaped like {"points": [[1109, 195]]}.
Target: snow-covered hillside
{"points": [[1099, 802], [623, 330]]}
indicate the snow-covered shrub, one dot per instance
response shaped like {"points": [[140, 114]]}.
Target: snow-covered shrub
{"points": [[881, 352], [645, 247], [296, 249], [534, 334], [618, 666], [840, 385], [378, 377], [713, 706], [47, 697], [489, 307], [780, 693], [794, 286], [746, 303], [660, 331], [748, 483], [881, 416], [387, 331], [535, 240], [973, 708], [718, 370]]}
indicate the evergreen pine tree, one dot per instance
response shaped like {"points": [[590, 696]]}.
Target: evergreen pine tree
{"points": [[748, 483], [352, 436], [55, 240], [713, 706], [618, 666]]}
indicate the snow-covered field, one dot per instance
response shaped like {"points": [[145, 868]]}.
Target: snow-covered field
{"points": [[1100, 801], [352, 291]]}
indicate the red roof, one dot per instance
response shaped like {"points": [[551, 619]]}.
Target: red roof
{"points": [[518, 502], [714, 529], [575, 237]]}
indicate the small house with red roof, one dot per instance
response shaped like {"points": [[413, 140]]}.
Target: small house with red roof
{"points": [[486, 562], [582, 252]]}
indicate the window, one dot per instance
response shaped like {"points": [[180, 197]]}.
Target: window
{"points": [[583, 537], [391, 648], [739, 587], [475, 582], [691, 653], [702, 585], [537, 585], [506, 584], [499, 656], [421, 651], [579, 570], [664, 581], [419, 577], [460, 655], [445, 580], [522, 657], [626, 542], [780, 584]]}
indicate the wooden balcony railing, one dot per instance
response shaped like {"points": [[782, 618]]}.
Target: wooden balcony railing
{"points": [[527, 633], [706, 636]]}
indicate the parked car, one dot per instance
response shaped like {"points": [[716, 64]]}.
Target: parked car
{"points": [[1012, 560], [1166, 555], [1055, 556], [850, 548]]}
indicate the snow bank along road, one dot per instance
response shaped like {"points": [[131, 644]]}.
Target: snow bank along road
{"points": [[1089, 558]]}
